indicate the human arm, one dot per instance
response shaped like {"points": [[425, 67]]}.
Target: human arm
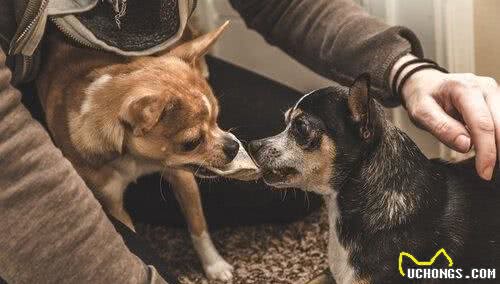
{"points": [[53, 229], [335, 38]]}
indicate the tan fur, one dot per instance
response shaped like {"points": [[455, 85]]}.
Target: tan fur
{"points": [[186, 191], [321, 170], [316, 165], [118, 118]]}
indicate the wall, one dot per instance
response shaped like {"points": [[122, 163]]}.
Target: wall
{"points": [[487, 37]]}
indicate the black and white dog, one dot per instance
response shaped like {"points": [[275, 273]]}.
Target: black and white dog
{"points": [[384, 197]]}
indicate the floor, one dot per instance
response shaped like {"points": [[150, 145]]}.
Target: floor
{"points": [[291, 253]]}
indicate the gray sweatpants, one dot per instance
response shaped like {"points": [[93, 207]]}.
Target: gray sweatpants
{"points": [[52, 229]]}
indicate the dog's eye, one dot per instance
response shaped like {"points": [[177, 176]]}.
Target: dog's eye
{"points": [[191, 144], [301, 128]]}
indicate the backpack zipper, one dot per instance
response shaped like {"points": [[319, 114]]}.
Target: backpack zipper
{"points": [[70, 36], [16, 46], [31, 10]]}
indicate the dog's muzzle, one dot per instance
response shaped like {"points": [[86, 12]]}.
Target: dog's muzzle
{"points": [[241, 167]]}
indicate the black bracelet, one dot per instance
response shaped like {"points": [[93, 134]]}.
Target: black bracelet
{"points": [[395, 80], [413, 71]]}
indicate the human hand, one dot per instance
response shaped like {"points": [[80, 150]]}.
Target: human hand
{"points": [[461, 110]]}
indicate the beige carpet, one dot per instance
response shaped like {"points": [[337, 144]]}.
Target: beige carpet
{"points": [[291, 253]]}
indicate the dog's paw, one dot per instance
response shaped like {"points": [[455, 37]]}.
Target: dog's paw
{"points": [[219, 270]]}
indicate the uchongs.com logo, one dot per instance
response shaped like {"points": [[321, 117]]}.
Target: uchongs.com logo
{"points": [[424, 270]]}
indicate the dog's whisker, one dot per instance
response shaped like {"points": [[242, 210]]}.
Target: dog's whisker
{"points": [[202, 164], [284, 197], [306, 196], [161, 183]]}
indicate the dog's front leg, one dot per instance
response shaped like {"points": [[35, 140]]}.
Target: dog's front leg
{"points": [[188, 195], [111, 197]]}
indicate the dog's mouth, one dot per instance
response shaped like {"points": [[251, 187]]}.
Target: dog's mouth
{"points": [[242, 167], [202, 171], [279, 176], [239, 171]]}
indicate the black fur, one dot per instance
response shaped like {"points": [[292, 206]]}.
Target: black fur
{"points": [[443, 205]]}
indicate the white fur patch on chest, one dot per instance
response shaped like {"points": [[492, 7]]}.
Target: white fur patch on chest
{"points": [[126, 170], [131, 168], [338, 255]]}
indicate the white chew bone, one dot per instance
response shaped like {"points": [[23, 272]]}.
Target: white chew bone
{"points": [[242, 167]]}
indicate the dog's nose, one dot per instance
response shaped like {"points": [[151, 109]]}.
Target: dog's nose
{"points": [[231, 148], [254, 146]]}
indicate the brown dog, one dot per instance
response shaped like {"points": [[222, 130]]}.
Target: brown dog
{"points": [[118, 118]]}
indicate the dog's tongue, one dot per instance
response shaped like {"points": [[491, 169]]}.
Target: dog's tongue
{"points": [[242, 167]]}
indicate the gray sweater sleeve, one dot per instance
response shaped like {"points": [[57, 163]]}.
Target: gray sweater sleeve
{"points": [[52, 228], [335, 38]]}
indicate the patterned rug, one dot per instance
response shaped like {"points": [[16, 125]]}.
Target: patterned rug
{"points": [[290, 253]]}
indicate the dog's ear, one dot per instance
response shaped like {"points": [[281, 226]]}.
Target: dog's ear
{"points": [[196, 48], [362, 106], [143, 113]]}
